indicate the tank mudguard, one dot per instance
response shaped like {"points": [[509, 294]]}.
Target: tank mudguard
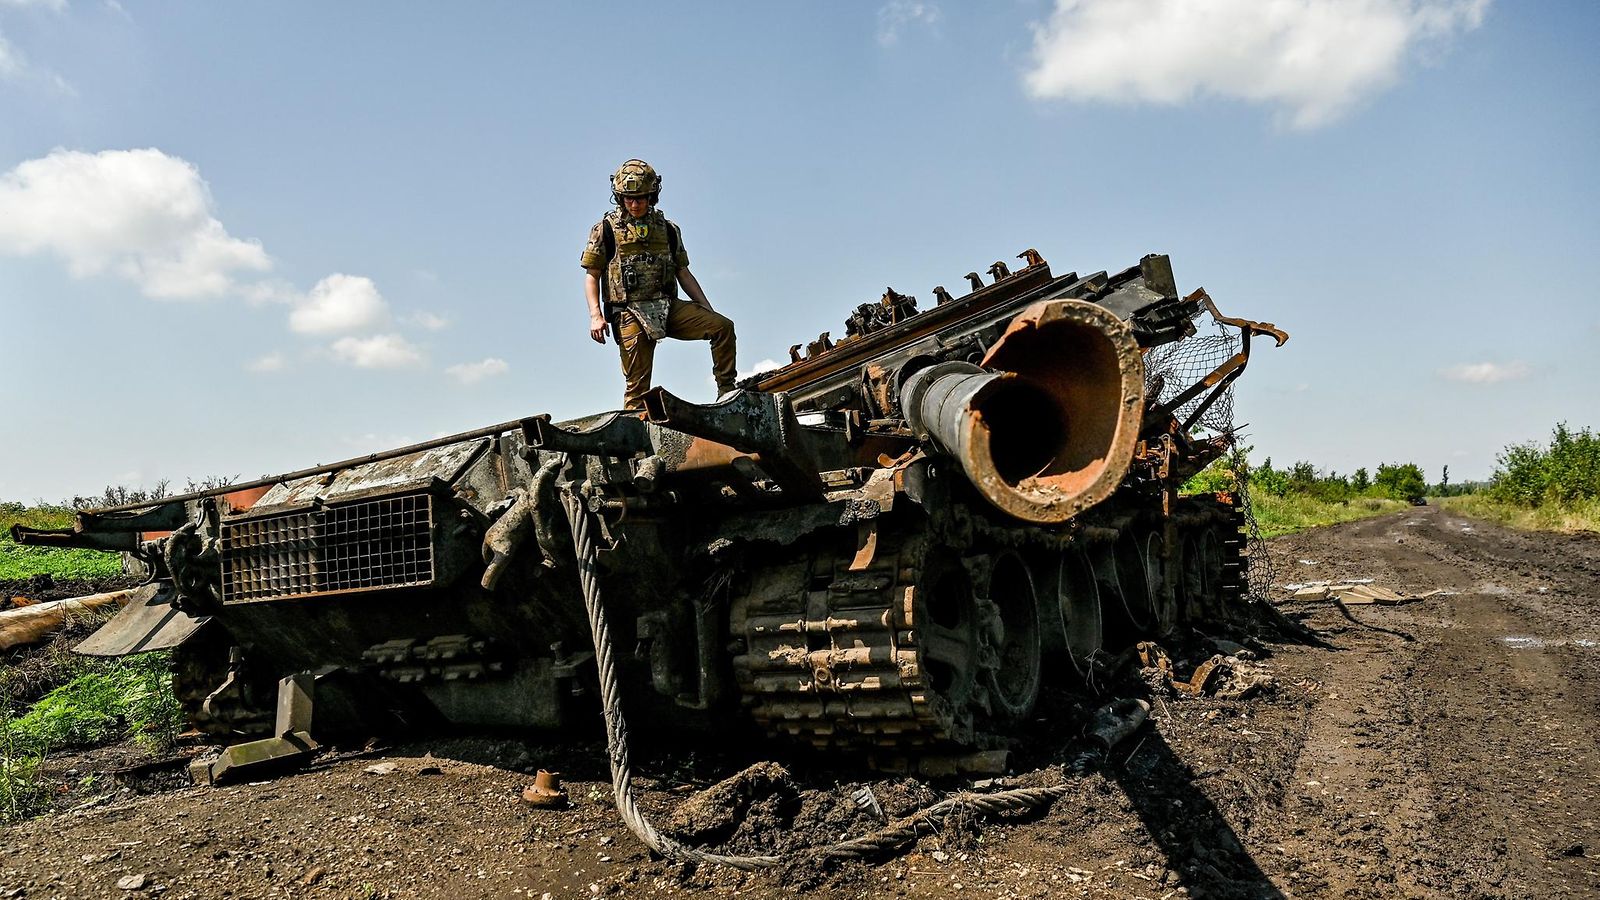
{"points": [[148, 622]]}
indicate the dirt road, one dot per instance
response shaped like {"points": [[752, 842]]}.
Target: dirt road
{"points": [[1450, 747]]}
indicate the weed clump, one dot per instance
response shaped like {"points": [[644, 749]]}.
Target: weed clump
{"points": [[104, 702]]}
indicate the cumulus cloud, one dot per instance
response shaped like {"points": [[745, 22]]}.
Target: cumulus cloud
{"points": [[474, 372], [271, 362], [896, 16], [1486, 372], [1313, 60], [141, 214], [379, 351], [339, 303], [425, 319]]}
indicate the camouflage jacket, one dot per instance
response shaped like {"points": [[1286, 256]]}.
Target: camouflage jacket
{"points": [[641, 258]]}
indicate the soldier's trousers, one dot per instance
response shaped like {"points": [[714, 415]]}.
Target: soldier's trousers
{"points": [[685, 322]]}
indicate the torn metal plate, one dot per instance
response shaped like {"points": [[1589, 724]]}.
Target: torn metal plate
{"points": [[148, 622], [444, 463]]}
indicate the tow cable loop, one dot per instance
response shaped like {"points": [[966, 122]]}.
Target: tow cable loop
{"points": [[889, 838], [611, 699]]}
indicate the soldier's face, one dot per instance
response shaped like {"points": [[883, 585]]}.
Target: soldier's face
{"points": [[636, 206]]}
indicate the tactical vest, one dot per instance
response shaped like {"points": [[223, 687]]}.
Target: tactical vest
{"points": [[642, 267]]}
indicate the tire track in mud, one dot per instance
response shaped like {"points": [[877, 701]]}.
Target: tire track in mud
{"points": [[1467, 761]]}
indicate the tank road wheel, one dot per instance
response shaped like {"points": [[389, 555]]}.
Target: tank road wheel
{"points": [[1013, 636], [1125, 586], [1163, 612], [1189, 590], [944, 622], [1078, 605]]}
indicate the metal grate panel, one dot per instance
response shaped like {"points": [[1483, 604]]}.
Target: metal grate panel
{"points": [[383, 543]]}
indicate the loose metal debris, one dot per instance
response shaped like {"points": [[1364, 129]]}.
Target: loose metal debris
{"points": [[1355, 592]]}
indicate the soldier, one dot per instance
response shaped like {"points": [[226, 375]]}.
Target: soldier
{"points": [[634, 263]]}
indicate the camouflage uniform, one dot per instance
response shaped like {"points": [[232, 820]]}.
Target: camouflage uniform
{"points": [[641, 288]]}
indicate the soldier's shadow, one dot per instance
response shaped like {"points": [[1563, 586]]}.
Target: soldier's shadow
{"points": [[1197, 839]]}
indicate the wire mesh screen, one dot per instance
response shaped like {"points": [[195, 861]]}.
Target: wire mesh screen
{"points": [[384, 543], [1170, 369]]}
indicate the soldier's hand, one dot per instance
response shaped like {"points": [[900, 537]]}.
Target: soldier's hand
{"points": [[598, 329]]}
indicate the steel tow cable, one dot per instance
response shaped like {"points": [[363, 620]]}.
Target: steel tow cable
{"points": [[888, 838]]}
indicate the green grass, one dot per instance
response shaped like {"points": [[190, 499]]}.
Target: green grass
{"points": [[1579, 516], [51, 700], [21, 793], [1297, 512], [19, 562], [105, 701], [108, 700]]}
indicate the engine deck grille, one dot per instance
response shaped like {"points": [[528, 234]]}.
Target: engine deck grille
{"points": [[385, 543]]}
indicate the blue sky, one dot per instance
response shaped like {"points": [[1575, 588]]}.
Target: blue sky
{"points": [[243, 239]]}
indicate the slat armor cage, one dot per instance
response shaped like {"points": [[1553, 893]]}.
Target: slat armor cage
{"points": [[366, 545]]}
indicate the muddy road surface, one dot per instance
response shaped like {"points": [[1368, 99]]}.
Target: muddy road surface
{"points": [[1444, 748]]}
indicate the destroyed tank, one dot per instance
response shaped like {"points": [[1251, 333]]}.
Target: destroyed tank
{"points": [[886, 548]]}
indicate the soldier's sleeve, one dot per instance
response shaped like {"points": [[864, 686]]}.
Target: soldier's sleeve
{"points": [[683, 255], [594, 252]]}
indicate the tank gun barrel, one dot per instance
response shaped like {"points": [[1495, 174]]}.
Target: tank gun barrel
{"points": [[1046, 427]]}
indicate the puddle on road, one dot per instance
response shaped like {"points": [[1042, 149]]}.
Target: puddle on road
{"points": [[1528, 642]]}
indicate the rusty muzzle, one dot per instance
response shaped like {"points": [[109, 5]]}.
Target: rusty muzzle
{"points": [[1045, 428]]}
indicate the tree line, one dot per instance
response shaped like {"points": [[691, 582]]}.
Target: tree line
{"points": [[1565, 472]]}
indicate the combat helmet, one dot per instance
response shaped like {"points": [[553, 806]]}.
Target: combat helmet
{"points": [[635, 178]]}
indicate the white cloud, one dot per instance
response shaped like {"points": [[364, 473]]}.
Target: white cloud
{"points": [[896, 16], [339, 303], [472, 373], [140, 214], [1486, 372], [380, 351], [271, 362], [766, 365], [52, 5], [425, 319], [1313, 60], [11, 62]]}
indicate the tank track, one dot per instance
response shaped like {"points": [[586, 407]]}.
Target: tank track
{"points": [[831, 656], [839, 659]]}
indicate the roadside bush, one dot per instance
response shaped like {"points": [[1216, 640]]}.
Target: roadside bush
{"points": [[1400, 481], [1566, 473], [1303, 496]]}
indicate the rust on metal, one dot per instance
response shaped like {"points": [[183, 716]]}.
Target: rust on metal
{"points": [[546, 791], [850, 354], [872, 549]]}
